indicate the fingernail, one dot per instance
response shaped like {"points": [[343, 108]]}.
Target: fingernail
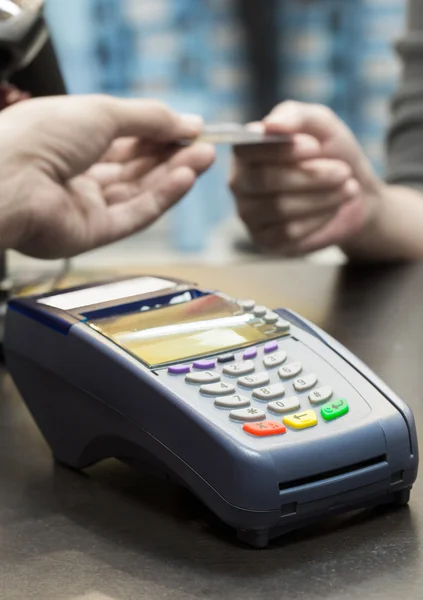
{"points": [[352, 187], [193, 122]]}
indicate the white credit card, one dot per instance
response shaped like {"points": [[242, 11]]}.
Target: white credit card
{"points": [[235, 134]]}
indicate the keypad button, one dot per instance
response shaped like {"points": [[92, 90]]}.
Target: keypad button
{"points": [[284, 406], [270, 347], [204, 364], [301, 420], [247, 305], [305, 383], [250, 353], [271, 318], [254, 381], [225, 358], [270, 392], [217, 389], [248, 414], [179, 369], [290, 370], [334, 410], [283, 326], [259, 311], [236, 401], [323, 394], [275, 360], [203, 377], [263, 428], [239, 368]]}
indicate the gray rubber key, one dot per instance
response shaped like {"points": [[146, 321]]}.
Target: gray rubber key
{"points": [[203, 377], [248, 414], [320, 395], [254, 381], [235, 401], [271, 317], [217, 389], [284, 406], [275, 359], [290, 370], [270, 392], [239, 368], [305, 383], [247, 305], [283, 326], [259, 311]]}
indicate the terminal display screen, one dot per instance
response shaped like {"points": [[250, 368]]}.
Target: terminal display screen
{"points": [[90, 296], [203, 326]]}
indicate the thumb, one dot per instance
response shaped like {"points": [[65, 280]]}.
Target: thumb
{"points": [[298, 117], [150, 120], [336, 139]]}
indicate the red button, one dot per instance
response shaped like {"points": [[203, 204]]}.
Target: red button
{"points": [[265, 428]]}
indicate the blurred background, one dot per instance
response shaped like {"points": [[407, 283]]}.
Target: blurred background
{"points": [[229, 60]]}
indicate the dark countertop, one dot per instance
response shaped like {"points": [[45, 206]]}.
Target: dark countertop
{"points": [[113, 534]]}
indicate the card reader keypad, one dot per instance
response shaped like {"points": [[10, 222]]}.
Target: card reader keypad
{"points": [[265, 389]]}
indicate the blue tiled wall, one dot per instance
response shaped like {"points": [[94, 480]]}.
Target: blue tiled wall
{"points": [[340, 53]]}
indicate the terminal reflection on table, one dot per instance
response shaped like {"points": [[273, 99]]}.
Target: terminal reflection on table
{"points": [[262, 415]]}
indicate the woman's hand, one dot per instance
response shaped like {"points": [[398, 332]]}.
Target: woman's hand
{"points": [[305, 195]]}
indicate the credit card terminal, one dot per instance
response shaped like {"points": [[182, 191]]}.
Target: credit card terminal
{"points": [[262, 415]]}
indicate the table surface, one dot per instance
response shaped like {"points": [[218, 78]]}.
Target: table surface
{"points": [[113, 534]]}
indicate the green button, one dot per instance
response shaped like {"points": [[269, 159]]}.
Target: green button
{"points": [[335, 409]]}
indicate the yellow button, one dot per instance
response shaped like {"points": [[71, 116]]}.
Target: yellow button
{"points": [[301, 420]]}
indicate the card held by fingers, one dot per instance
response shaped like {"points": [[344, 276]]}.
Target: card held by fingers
{"points": [[235, 134]]}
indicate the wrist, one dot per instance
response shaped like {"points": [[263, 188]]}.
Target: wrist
{"points": [[394, 232], [15, 206], [375, 201]]}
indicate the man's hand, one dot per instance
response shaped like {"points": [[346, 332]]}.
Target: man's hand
{"points": [[80, 172], [317, 191]]}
